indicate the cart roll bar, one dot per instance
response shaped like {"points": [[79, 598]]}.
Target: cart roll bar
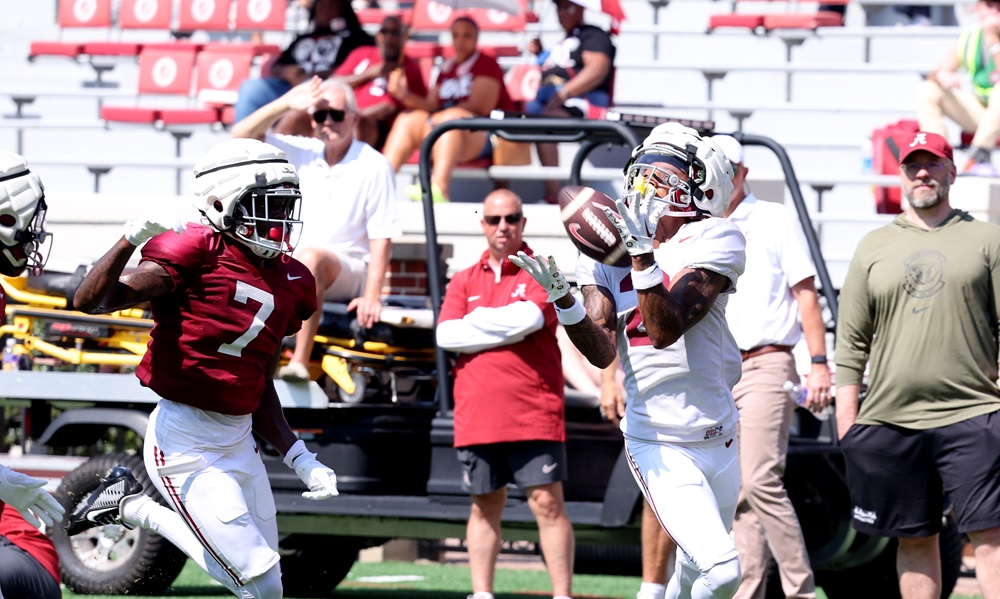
{"points": [[590, 134]]}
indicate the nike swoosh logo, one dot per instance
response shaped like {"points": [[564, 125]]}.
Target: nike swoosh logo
{"points": [[729, 442], [682, 240], [473, 298], [574, 230], [547, 468], [919, 310], [291, 278]]}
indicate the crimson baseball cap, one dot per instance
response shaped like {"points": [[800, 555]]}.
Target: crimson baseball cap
{"points": [[927, 142]]}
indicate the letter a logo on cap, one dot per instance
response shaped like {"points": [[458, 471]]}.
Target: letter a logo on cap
{"points": [[920, 139]]}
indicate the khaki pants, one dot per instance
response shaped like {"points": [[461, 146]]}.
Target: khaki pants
{"points": [[766, 523], [934, 103]]}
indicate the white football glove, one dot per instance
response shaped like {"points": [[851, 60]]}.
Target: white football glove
{"points": [[28, 497], [631, 222], [322, 481], [139, 231], [545, 272]]}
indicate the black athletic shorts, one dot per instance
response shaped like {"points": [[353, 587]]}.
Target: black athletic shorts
{"points": [[22, 577], [486, 468], [898, 477]]}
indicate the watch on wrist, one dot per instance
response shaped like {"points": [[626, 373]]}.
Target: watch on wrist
{"points": [[818, 359]]}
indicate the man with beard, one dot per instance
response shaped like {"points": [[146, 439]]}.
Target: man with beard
{"points": [[920, 300]]}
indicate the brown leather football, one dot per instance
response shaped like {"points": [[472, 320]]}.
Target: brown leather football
{"points": [[588, 227]]}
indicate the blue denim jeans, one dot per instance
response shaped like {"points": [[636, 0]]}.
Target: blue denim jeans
{"points": [[255, 93], [545, 93]]}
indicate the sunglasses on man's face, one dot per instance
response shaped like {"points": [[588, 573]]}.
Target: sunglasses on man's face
{"points": [[512, 219], [387, 31], [337, 115]]}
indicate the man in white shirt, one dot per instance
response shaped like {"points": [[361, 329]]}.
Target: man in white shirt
{"points": [[776, 303], [349, 201], [665, 317]]}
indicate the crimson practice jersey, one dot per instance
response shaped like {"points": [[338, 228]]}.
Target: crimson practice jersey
{"points": [[217, 332]]}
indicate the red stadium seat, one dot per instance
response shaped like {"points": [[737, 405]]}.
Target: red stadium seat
{"points": [[523, 81], [431, 16], [74, 14], [219, 75], [145, 14], [260, 15], [205, 16], [803, 20], [735, 20], [163, 72], [70, 49], [84, 13]]}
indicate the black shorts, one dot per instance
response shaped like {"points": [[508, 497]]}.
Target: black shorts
{"points": [[22, 576], [486, 468], [898, 477]]}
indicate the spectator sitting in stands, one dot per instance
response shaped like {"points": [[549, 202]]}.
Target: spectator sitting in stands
{"points": [[380, 76], [576, 75], [336, 31], [470, 84], [979, 111]]}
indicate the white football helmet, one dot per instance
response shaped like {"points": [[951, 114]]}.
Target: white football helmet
{"points": [[22, 217], [248, 190], [710, 174]]}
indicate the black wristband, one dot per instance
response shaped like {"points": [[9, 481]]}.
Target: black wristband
{"points": [[818, 359]]}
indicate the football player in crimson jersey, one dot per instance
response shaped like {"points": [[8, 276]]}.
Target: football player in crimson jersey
{"points": [[680, 360], [223, 295]]}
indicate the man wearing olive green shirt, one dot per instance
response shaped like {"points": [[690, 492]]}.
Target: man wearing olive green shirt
{"points": [[921, 300]]}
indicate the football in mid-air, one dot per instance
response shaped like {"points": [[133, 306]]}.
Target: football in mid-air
{"points": [[588, 227]]}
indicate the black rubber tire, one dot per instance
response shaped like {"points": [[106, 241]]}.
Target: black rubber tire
{"points": [[313, 565], [878, 578], [135, 562]]}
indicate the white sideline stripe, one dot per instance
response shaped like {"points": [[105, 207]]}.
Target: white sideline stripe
{"points": [[389, 579]]}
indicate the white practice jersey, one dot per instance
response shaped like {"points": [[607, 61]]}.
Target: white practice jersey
{"points": [[682, 393]]}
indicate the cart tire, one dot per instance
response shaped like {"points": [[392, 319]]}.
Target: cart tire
{"points": [[112, 560]]}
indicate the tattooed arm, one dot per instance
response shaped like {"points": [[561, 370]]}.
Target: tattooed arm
{"points": [[669, 313], [105, 289], [595, 335]]}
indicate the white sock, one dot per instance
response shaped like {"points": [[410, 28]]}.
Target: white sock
{"points": [[143, 511], [481, 595], [651, 590], [562, 597]]}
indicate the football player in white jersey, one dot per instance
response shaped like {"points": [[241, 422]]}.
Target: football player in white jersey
{"points": [[665, 316]]}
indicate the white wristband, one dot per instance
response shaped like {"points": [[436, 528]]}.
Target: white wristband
{"points": [[646, 279], [298, 448], [572, 315]]}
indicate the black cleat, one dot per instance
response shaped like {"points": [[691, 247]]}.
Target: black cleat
{"points": [[102, 505]]}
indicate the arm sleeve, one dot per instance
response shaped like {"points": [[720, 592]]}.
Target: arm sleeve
{"points": [[855, 324], [486, 328]]}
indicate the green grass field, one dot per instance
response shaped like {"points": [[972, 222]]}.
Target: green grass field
{"points": [[404, 580]]}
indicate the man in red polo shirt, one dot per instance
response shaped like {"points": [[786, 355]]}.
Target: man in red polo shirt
{"points": [[508, 430]]}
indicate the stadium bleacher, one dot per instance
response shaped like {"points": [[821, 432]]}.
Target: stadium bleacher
{"points": [[843, 81]]}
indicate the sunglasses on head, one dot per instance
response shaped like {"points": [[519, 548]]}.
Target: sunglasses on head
{"points": [[494, 220], [337, 115]]}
